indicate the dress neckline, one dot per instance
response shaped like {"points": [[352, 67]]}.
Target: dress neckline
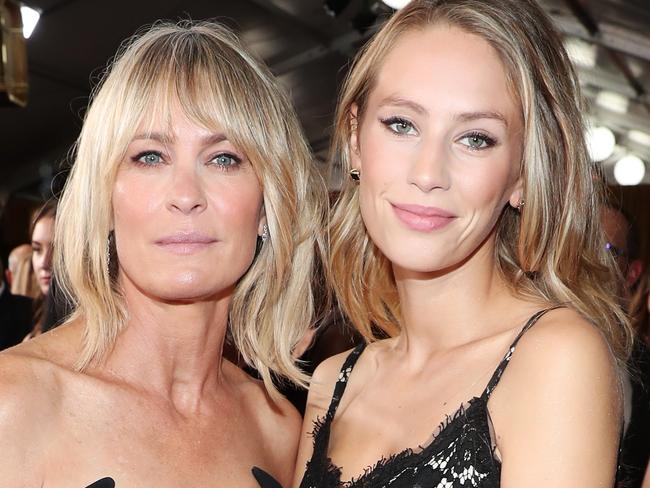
{"points": [[409, 455]]}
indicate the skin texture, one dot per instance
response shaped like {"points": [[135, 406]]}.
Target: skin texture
{"points": [[556, 410], [163, 409], [42, 239]]}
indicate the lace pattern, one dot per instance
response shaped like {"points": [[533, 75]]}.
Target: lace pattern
{"points": [[459, 455]]}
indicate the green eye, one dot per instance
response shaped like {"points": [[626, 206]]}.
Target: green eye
{"points": [[477, 141]]}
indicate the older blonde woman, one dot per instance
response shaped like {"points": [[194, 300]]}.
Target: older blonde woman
{"points": [[469, 233], [191, 209]]}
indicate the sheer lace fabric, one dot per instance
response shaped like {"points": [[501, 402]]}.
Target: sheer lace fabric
{"points": [[461, 453]]}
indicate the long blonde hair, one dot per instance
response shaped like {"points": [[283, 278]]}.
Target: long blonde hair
{"points": [[554, 250], [204, 69]]}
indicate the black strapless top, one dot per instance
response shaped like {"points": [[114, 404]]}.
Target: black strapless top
{"points": [[461, 453]]}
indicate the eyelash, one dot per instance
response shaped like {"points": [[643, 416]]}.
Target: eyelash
{"points": [[489, 141], [397, 120], [236, 161]]}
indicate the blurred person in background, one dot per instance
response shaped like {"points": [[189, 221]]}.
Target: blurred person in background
{"points": [[15, 314], [42, 243], [621, 237], [20, 273], [622, 245], [193, 211]]}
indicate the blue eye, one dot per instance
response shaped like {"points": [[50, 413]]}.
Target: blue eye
{"points": [[399, 126], [148, 158], [477, 141], [225, 160]]}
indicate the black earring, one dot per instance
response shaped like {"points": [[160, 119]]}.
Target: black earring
{"points": [[355, 174]]}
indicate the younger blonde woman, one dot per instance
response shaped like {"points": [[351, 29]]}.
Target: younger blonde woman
{"points": [[469, 234]]}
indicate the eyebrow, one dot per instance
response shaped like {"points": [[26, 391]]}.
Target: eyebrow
{"points": [[469, 116], [403, 102], [461, 117], [164, 138]]}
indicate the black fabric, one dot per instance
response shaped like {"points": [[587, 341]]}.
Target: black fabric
{"points": [[16, 313], [103, 483], [460, 454], [635, 450]]}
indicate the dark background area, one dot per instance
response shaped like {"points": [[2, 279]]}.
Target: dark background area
{"points": [[309, 50]]}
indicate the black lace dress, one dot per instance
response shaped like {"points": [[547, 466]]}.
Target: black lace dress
{"points": [[460, 454]]}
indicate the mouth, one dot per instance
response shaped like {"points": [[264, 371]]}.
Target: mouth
{"points": [[422, 218], [184, 243]]}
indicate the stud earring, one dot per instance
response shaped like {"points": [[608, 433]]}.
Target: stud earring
{"points": [[355, 174], [265, 233], [520, 205]]}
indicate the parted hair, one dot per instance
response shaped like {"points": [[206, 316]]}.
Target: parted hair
{"points": [[554, 249], [202, 68]]}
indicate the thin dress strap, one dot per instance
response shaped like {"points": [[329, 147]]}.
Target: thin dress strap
{"points": [[494, 381], [321, 432], [342, 381]]}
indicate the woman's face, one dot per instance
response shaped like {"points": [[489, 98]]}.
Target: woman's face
{"points": [[42, 240], [187, 210], [438, 147]]}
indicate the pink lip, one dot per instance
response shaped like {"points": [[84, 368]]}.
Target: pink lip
{"points": [[421, 218], [185, 242]]}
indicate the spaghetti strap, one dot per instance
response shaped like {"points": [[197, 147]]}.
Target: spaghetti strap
{"points": [[496, 376], [342, 381]]}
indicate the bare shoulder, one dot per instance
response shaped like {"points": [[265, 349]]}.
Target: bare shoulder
{"points": [[557, 408], [323, 381], [561, 342], [31, 386], [277, 420], [32, 374]]}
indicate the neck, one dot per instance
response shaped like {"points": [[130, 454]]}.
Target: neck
{"points": [[172, 349], [447, 309]]}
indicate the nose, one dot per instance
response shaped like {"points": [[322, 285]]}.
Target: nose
{"points": [[186, 192], [47, 258], [429, 169]]}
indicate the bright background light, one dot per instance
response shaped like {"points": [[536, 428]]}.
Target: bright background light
{"points": [[612, 101], [30, 19], [580, 52], [629, 170], [600, 142], [397, 4], [639, 137]]}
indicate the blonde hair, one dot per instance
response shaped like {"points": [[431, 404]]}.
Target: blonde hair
{"points": [[554, 250], [202, 68]]}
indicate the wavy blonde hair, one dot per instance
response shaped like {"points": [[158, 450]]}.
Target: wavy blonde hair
{"points": [[204, 69], [554, 250]]}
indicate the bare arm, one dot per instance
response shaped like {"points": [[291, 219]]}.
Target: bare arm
{"points": [[557, 411]]}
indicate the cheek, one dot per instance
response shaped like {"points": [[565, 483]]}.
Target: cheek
{"points": [[133, 202]]}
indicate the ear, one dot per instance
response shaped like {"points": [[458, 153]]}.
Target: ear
{"points": [[355, 160], [634, 270], [517, 193]]}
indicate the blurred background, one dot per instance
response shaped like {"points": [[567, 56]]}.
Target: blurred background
{"points": [[54, 52]]}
